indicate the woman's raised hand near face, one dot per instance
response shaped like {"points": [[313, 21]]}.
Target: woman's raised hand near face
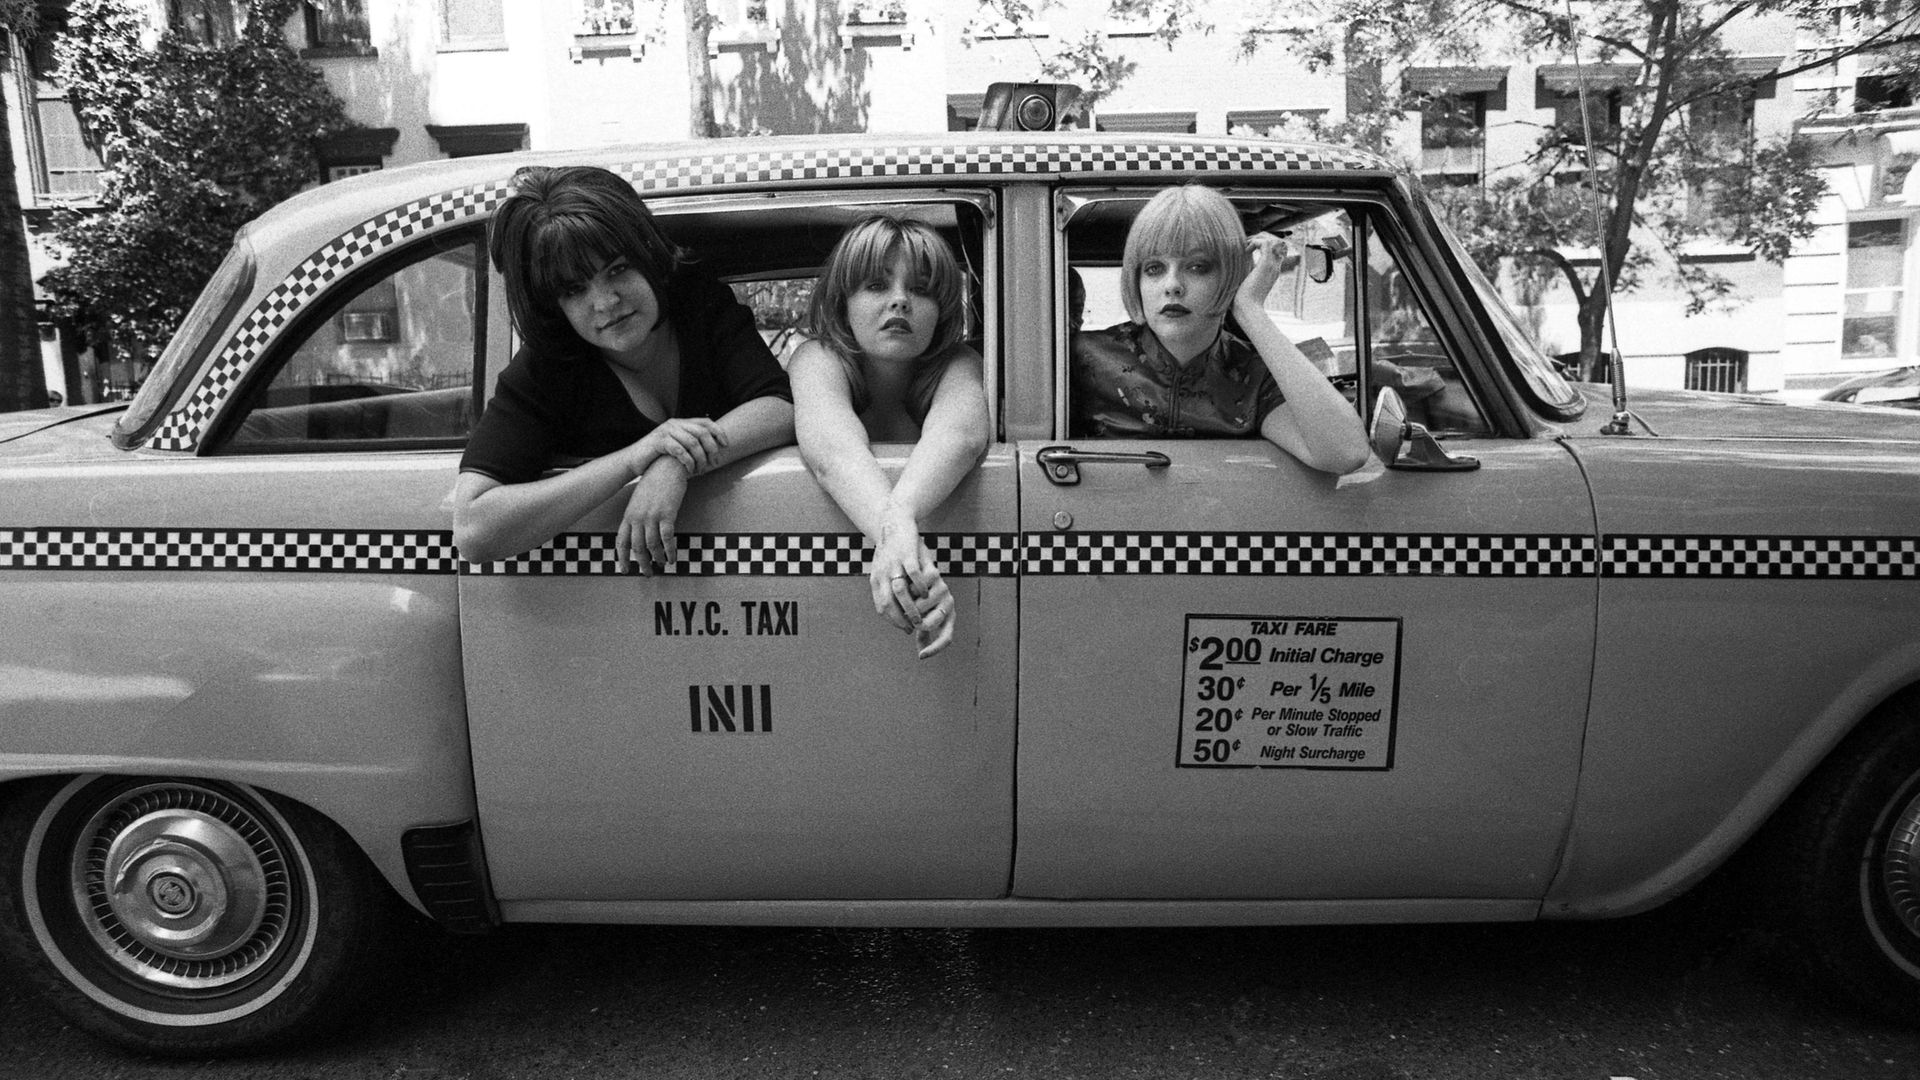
{"points": [[1269, 252]]}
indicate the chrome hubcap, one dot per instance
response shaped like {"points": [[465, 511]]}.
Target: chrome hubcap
{"points": [[182, 886], [1900, 869]]}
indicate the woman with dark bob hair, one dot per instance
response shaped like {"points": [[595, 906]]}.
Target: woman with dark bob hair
{"points": [[632, 360], [886, 363]]}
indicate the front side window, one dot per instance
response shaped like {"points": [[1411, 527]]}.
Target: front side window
{"points": [[392, 361], [1341, 309]]}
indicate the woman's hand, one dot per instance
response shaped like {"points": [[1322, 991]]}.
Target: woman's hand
{"points": [[693, 441], [936, 608], [907, 588], [1269, 254], [646, 536]]}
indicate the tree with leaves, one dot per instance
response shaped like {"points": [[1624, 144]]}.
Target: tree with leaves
{"points": [[1680, 165], [198, 139], [1677, 167], [23, 384]]}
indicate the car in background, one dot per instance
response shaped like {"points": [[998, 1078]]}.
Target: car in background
{"points": [[1899, 389], [1537, 662]]}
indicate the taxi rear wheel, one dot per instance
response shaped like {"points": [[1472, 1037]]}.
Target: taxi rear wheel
{"points": [[185, 917], [1847, 867]]}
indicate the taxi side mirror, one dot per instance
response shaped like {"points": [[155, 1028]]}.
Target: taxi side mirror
{"points": [[1389, 425], [1391, 431], [1319, 258]]}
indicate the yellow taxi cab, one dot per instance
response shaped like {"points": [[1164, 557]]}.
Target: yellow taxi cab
{"points": [[1525, 666]]}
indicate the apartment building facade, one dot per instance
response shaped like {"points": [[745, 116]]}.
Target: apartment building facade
{"points": [[446, 78]]}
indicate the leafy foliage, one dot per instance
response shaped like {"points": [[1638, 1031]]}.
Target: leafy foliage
{"points": [[1680, 166], [198, 139]]}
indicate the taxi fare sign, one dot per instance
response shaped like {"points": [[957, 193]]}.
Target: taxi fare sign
{"points": [[1289, 692]]}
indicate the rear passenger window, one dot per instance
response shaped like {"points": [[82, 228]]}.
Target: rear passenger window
{"points": [[770, 249], [389, 361]]}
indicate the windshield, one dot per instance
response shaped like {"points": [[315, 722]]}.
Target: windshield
{"points": [[1538, 372], [190, 343]]}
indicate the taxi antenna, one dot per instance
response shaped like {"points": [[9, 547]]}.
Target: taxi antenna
{"points": [[1616, 370]]}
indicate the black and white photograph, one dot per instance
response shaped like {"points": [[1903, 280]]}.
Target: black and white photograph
{"points": [[1320, 539]]}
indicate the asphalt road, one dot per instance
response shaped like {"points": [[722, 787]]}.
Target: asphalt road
{"points": [[1679, 993]]}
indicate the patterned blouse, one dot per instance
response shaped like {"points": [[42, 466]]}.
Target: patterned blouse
{"points": [[1126, 384]]}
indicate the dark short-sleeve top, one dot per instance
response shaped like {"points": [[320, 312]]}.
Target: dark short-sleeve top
{"points": [[1126, 384], [551, 409]]}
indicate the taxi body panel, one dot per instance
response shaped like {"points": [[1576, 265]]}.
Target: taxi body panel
{"points": [[746, 727], [1567, 675], [1698, 565], [275, 648]]}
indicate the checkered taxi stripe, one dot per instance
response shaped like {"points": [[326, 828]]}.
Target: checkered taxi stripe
{"points": [[187, 423], [1762, 556], [286, 550], [986, 554], [762, 554], [1337, 554]]}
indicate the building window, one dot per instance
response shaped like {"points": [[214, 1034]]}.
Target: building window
{"points": [[1603, 116], [472, 25], [1453, 137], [61, 161], [1454, 103], [1559, 88], [1173, 123], [338, 26], [1721, 370], [1872, 93], [1876, 288], [1722, 128], [214, 23], [601, 18]]}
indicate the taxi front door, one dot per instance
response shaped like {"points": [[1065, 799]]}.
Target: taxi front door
{"points": [[1241, 679], [744, 727]]}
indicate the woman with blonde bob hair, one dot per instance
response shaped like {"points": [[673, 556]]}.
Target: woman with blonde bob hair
{"points": [[1175, 369], [885, 363]]}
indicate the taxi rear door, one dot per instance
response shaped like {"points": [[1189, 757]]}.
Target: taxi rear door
{"points": [[1241, 679], [745, 727]]}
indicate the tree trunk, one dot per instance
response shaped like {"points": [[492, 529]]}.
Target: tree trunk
{"points": [[23, 382], [699, 75], [1591, 316]]}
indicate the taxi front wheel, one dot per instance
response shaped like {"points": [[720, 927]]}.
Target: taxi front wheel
{"points": [[1846, 866], [185, 917]]}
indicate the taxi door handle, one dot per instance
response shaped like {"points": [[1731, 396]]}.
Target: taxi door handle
{"points": [[1061, 464]]}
